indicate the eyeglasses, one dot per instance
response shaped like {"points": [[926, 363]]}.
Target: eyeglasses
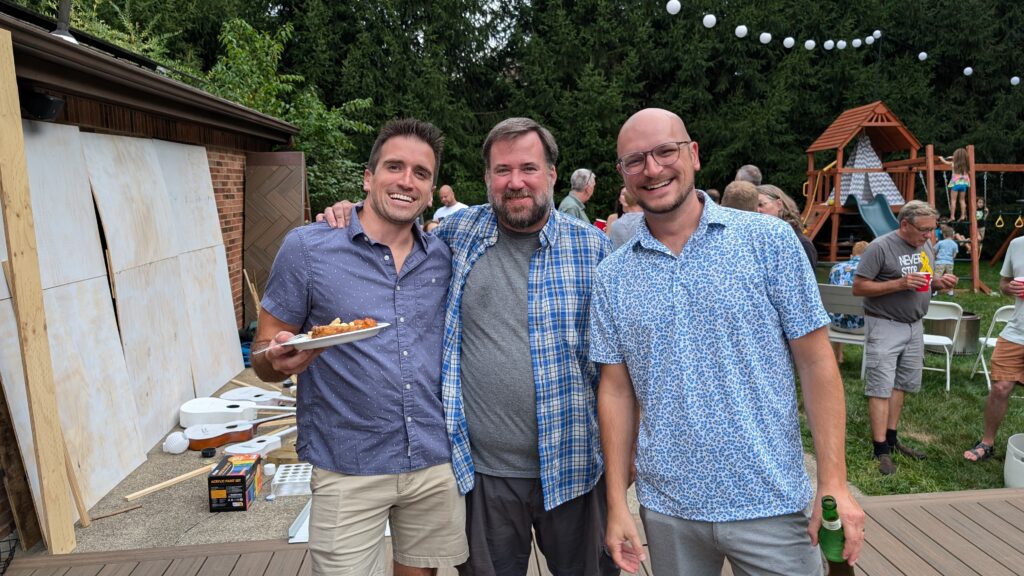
{"points": [[921, 230], [663, 154]]}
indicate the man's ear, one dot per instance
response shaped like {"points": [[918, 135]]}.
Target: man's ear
{"points": [[367, 176]]}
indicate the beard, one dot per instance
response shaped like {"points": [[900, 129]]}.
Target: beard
{"points": [[676, 203], [524, 219]]}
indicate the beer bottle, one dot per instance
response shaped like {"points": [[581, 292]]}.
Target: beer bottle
{"points": [[831, 538]]}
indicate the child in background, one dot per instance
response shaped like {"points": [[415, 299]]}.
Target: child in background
{"points": [[945, 253], [958, 184], [981, 216]]}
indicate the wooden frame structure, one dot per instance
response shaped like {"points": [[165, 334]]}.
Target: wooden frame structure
{"points": [[888, 135]]}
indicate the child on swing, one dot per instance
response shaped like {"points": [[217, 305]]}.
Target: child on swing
{"points": [[958, 184]]}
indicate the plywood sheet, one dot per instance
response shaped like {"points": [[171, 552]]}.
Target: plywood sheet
{"points": [[216, 353], [155, 333], [65, 218], [138, 221], [186, 174], [96, 410]]}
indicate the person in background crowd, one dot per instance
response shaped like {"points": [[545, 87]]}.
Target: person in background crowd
{"points": [[582, 186], [449, 205], [842, 274]]}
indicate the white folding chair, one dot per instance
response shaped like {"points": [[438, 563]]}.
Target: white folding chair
{"points": [[1002, 316], [938, 310]]}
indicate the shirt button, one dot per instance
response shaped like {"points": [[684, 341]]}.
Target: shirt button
{"points": [[405, 352], [408, 418], [401, 319], [433, 280], [398, 288], [408, 386], [386, 257]]}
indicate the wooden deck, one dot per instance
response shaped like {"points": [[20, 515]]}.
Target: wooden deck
{"points": [[956, 533]]}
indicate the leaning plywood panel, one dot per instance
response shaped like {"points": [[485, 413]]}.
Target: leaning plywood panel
{"points": [[216, 355], [155, 334], [186, 174], [66, 228], [97, 410], [138, 220]]}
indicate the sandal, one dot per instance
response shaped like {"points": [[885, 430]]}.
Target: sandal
{"points": [[981, 451]]}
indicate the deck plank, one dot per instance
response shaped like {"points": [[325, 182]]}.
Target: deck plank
{"points": [[896, 552], [185, 566], [219, 565], [874, 563], [85, 570], [921, 544], [285, 562], [122, 569], [966, 551], [1012, 558], [252, 564], [996, 526]]}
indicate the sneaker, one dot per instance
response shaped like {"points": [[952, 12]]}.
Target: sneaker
{"points": [[885, 465], [908, 451]]}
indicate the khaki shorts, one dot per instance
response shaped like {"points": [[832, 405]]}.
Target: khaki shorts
{"points": [[1007, 361], [346, 521], [893, 356]]}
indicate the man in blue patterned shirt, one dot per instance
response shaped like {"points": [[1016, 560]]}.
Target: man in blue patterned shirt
{"points": [[520, 392], [719, 459]]}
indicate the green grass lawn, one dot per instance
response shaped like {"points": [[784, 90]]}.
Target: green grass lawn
{"points": [[942, 424]]}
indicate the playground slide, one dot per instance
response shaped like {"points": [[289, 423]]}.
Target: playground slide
{"points": [[876, 214]]}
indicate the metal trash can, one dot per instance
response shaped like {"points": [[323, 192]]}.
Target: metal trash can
{"points": [[966, 343]]}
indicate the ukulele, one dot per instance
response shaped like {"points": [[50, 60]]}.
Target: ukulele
{"points": [[219, 411], [257, 395], [261, 445], [216, 435]]}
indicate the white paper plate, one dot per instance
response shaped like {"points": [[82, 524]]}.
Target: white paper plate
{"points": [[304, 342]]}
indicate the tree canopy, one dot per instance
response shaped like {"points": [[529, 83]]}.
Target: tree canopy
{"points": [[581, 68]]}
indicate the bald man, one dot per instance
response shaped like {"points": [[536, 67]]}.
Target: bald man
{"points": [[719, 457]]}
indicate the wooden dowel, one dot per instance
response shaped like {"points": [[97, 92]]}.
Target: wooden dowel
{"points": [[76, 488], [116, 512], [171, 482], [252, 290]]}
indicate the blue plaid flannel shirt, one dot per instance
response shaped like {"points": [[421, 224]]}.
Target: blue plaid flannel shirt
{"points": [[561, 274]]}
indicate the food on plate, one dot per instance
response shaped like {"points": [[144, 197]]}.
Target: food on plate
{"points": [[339, 327]]}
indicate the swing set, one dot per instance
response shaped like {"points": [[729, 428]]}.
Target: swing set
{"points": [[823, 210]]}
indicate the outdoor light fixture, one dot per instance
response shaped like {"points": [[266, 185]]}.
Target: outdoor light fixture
{"points": [[765, 37], [673, 7], [741, 31], [710, 20], [789, 42], [968, 71], [922, 56], [40, 106], [809, 45], [856, 42]]}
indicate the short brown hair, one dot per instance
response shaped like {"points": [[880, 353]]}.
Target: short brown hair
{"points": [[430, 135], [512, 128]]}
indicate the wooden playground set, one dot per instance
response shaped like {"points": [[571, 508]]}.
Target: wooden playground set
{"points": [[842, 191]]}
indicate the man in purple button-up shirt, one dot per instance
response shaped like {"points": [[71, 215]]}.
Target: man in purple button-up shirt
{"points": [[370, 415]]}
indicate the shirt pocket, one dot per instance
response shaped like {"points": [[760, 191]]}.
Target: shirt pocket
{"points": [[431, 293]]}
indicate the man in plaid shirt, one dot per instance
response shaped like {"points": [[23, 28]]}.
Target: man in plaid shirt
{"points": [[518, 386]]}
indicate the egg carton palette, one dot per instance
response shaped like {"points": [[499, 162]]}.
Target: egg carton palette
{"points": [[292, 480]]}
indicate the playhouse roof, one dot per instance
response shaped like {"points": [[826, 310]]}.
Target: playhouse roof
{"points": [[885, 130]]}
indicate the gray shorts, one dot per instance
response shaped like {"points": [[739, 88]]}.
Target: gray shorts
{"points": [[893, 356], [778, 545]]}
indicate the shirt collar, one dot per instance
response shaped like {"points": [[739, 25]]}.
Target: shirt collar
{"points": [[711, 215], [356, 231]]}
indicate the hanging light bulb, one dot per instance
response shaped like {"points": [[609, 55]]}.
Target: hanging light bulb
{"points": [[828, 45], [877, 34], [789, 42], [968, 71], [809, 45], [922, 56], [869, 40], [841, 44], [741, 31], [856, 42], [710, 20], [673, 7], [1015, 80], [765, 38]]}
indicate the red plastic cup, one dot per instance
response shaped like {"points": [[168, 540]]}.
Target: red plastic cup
{"points": [[1019, 280], [928, 282], [600, 223]]}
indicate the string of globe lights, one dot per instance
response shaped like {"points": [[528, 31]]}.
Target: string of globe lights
{"points": [[741, 31]]}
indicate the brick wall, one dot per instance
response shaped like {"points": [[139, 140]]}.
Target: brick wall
{"points": [[227, 168]]}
